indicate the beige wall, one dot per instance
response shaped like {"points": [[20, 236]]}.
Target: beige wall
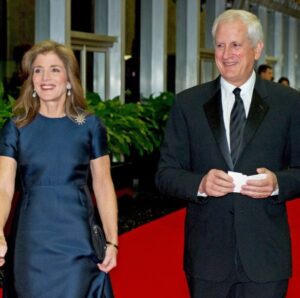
{"points": [[20, 29], [171, 33], [20, 24], [129, 25]]}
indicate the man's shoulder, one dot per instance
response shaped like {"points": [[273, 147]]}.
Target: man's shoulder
{"points": [[277, 93], [201, 92]]}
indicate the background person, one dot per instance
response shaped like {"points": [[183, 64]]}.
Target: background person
{"points": [[265, 71], [55, 143], [237, 241], [284, 81]]}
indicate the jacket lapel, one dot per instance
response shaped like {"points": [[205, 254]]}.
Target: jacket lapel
{"points": [[214, 113], [257, 112]]}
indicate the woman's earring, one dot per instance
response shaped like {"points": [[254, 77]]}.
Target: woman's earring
{"points": [[34, 94], [69, 89]]}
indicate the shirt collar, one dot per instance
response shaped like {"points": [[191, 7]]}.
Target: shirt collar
{"points": [[246, 88], [246, 93]]}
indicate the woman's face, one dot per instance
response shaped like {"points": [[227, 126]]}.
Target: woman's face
{"points": [[49, 77]]}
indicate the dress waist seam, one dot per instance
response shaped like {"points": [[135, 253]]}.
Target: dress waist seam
{"points": [[79, 185]]}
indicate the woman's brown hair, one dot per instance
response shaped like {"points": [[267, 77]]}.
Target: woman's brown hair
{"points": [[27, 106]]}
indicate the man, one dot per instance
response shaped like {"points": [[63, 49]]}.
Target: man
{"points": [[265, 72], [236, 234]]}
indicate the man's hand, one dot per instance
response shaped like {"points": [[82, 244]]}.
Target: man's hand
{"points": [[261, 189], [216, 183]]}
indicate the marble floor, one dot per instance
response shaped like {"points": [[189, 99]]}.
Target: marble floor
{"points": [[143, 207]]}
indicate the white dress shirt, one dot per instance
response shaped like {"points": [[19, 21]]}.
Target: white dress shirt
{"points": [[228, 99]]}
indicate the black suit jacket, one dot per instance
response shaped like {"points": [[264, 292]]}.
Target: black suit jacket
{"points": [[195, 142]]}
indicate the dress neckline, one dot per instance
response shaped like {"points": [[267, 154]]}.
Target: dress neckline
{"points": [[51, 118]]}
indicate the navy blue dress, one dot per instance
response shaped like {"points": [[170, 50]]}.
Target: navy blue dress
{"points": [[52, 255]]}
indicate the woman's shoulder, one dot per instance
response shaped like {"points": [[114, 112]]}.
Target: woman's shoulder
{"points": [[9, 124], [93, 118], [9, 130], [93, 121]]}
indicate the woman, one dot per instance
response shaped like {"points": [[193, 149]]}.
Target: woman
{"points": [[284, 81], [55, 143]]}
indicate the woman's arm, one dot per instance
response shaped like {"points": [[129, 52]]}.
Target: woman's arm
{"points": [[107, 205], [8, 168]]}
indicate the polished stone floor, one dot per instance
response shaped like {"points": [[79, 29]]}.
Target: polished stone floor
{"points": [[143, 207]]}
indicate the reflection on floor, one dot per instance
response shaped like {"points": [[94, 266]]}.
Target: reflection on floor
{"points": [[143, 207]]}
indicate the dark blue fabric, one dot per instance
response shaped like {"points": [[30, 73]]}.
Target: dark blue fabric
{"points": [[53, 252]]}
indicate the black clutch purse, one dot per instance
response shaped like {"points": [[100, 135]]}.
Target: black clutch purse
{"points": [[97, 234], [99, 241]]}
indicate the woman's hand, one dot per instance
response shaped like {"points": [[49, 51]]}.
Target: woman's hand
{"points": [[108, 209], [110, 260], [3, 250]]}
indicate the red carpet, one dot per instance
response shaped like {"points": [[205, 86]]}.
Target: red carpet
{"points": [[150, 259], [294, 220]]}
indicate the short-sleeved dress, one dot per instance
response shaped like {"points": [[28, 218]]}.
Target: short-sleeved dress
{"points": [[53, 254]]}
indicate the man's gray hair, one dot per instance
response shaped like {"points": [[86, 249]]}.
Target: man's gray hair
{"points": [[253, 24]]}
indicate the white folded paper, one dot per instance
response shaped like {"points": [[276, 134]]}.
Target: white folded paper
{"points": [[240, 179]]}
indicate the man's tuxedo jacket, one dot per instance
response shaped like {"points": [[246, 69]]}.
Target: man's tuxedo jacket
{"points": [[216, 228]]}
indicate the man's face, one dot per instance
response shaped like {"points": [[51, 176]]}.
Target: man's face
{"points": [[267, 75], [234, 54]]}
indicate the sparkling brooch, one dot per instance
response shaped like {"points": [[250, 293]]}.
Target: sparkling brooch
{"points": [[80, 119]]}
